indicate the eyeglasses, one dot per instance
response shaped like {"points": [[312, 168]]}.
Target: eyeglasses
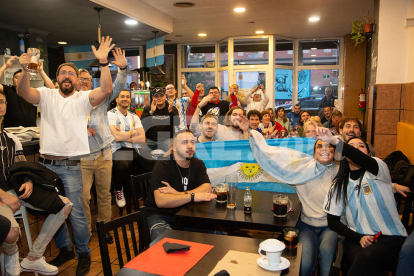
{"points": [[64, 73], [85, 79], [2, 102]]}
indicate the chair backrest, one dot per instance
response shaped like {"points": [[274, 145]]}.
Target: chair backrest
{"points": [[143, 240], [144, 183]]}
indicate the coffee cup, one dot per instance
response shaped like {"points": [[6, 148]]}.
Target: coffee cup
{"points": [[273, 249]]}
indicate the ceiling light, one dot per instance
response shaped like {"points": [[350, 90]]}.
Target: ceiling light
{"points": [[259, 32], [314, 19], [184, 4], [131, 22], [136, 39], [62, 42], [251, 66], [313, 55], [239, 9], [313, 60], [202, 34], [314, 48]]}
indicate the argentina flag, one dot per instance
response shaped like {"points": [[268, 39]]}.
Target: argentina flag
{"points": [[224, 158], [81, 56], [152, 51]]}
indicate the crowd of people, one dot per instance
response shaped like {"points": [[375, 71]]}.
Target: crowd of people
{"points": [[344, 189]]}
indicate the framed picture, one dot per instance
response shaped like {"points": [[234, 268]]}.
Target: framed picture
{"points": [[169, 70]]}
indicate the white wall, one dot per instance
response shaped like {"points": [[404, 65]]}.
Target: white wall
{"points": [[394, 41]]}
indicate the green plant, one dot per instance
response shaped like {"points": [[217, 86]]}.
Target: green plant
{"points": [[358, 32]]}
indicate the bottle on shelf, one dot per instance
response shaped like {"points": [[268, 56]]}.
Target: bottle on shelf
{"points": [[247, 201]]}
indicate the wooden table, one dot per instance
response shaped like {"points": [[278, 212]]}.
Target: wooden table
{"points": [[262, 218], [222, 244]]}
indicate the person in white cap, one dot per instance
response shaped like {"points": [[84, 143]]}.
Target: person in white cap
{"points": [[255, 101]]}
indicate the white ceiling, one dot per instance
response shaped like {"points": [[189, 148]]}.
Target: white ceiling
{"points": [[75, 21]]}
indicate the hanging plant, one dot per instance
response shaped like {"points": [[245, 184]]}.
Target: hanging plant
{"points": [[357, 32]]}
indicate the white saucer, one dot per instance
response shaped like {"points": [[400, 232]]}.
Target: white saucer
{"points": [[283, 264]]}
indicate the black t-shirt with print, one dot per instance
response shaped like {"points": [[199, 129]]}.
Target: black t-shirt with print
{"points": [[169, 171], [219, 109]]}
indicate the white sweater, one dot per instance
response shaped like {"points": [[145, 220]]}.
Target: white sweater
{"points": [[255, 105]]}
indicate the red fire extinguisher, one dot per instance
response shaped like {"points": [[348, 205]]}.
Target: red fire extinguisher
{"points": [[361, 104]]}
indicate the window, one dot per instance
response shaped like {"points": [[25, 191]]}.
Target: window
{"points": [[246, 80], [197, 56], [323, 52], [283, 52], [254, 51], [224, 50], [206, 78], [224, 83], [283, 88]]}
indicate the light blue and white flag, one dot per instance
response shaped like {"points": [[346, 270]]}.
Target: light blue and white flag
{"points": [[153, 51], [224, 158], [81, 56]]}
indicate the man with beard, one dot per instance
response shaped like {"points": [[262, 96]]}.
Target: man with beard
{"points": [[215, 106], [63, 137], [156, 120], [236, 124], [129, 134], [207, 128], [20, 112], [294, 116], [175, 183], [327, 111]]}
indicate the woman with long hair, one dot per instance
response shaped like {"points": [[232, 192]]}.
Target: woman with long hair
{"points": [[362, 190], [281, 118], [272, 113], [304, 116]]}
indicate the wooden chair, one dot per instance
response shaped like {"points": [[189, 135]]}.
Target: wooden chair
{"points": [[143, 240], [144, 183]]}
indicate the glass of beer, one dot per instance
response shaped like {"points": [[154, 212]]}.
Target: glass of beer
{"points": [[221, 192], [281, 205], [232, 182], [290, 236], [34, 55]]}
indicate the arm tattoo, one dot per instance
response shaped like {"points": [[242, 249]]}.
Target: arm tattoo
{"points": [[91, 99]]}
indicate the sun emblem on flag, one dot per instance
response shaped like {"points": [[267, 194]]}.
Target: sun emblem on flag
{"points": [[250, 171]]}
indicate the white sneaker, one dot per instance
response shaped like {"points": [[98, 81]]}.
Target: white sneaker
{"points": [[40, 266], [120, 199], [12, 264]]}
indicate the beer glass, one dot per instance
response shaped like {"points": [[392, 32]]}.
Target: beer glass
{"points": [[290, 236], [221, 192], [34, 55], [231, 181], [281, 205]]}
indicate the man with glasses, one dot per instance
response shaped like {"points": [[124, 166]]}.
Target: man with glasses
{"points": [[63, 137], [159, 120], [215, 106], [20, 112]]}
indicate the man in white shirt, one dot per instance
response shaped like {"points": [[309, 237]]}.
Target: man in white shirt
{"points": [[236, 124], [256, 102], [127, 129], [63, 137]]}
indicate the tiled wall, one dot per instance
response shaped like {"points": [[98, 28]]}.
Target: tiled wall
{"points": [[393, 103]]}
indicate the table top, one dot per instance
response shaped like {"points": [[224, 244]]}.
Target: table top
{"points": [[261, 218], [222, 244]]}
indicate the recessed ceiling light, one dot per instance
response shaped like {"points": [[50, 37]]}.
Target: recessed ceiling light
{"points": [[314, 48], [313, 55], [167, 40], [178, 36], [131, 22], [202, 34], [251, 22], [314, 19], [259, 32], [239, 9], [313, 60], [62, 42], [136, 39], [184, 4]]}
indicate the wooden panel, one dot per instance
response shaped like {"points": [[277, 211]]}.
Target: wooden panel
{"points": [[354, 77]]}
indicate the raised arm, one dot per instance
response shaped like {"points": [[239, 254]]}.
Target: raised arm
{"points": [[121, 77], [29, 94], [8, 64], [194, 99], [99, 94], [188, 89], [48, 82], [195, 120]]}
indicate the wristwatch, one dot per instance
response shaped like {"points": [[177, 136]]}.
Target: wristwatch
{"points": [[192, 197]]}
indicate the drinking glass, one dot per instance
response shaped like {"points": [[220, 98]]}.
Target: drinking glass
{"points": [[34, 55], [232, 182]]}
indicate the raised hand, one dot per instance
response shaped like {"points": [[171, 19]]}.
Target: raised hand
{"points": [[9, 62], [199, 86], [325, 134], [205, 100], [120, 59], [183, 80], [24, 61], [262, 87], [153, 106], [104, 48], [244, 123]]}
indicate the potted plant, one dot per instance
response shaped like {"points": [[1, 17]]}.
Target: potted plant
{"points": [[357, 31], [369, 23]]}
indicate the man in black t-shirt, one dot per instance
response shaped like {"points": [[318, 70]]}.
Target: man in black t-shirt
{"points": [[175, 183], [215, 106]]}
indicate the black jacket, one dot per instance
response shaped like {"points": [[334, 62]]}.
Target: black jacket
{"points": [[47, 185], [159, 121]]}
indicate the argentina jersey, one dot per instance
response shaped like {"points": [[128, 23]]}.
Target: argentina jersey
{"points": [[373, 209], [181, 104]]}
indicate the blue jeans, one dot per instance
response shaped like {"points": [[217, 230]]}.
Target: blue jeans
{"points": [[406, 257], [318, 242], [158, 223], [72, 181]]}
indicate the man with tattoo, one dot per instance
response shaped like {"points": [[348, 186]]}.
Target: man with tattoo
{"points": [[64, 138]]}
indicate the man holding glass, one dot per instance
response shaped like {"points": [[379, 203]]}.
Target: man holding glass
{"points": [[63, 137], [175, 183]]}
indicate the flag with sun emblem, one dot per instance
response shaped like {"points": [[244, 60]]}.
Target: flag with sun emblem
{"points": [[81, 56], [224, 158]]}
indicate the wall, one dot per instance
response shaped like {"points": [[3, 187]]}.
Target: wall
{"points": [[410, 70]]}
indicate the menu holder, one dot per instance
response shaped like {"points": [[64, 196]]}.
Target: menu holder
{"points": [[156, 261], [241, 263]]}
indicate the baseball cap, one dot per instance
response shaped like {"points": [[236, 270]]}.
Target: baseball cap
{"points": [[158, 90], [68, 64]]}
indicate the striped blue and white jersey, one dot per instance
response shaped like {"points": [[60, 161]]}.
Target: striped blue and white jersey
{"points": [[125, 123], [373, 209], [181, 104]]}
